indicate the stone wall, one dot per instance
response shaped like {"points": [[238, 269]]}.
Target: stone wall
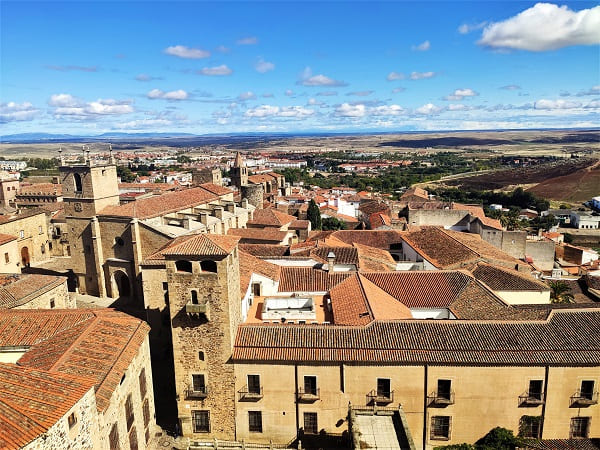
{"points": [[254, 194], [59, 294], [438, 217], [542, 253], [34, 230], [12, 250]]}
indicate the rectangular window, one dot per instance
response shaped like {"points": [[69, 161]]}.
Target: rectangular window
{"points": [[143, 383], [256, 289], [40, 230], [440, 427], [52, 304], [580, 427], [6, 258], [535, 389], [587, 389], [529, 426], [146, 410], [133, 442], [254, 384], [310, 385], [384, 388], [255, 421], [22, 234], [444, 389], [72, 420], [310, 423], [201, 421], [198, 383], [113, 438], [129, 411]]}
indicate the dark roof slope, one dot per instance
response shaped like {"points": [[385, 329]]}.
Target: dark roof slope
{"points": [[502, 279]]}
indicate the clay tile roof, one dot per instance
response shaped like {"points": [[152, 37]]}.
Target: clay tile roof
{"points": [[369, 207], [22, 215], [98, 344], [382, 239], [41, 189], [4, 238], [343, 255], [373, 259], [18, 289], [416, 192], [502, 279], [216, 189], [258, 234], [250, 264], [32, 401], [203, 245], [265, 250], [258, 179], [299, 224], [377, 220], [307, 279], [562, 444], [566, 338], [271, 217], [438, 247], [157, 205]]}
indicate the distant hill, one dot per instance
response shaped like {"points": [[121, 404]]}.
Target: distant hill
{"points": [[48, 137]]}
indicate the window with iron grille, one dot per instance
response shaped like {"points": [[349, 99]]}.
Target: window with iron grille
{"points": [[580, 427], [255, 421], [201, 421], [129, 411], [529, 426], [133, 442], [198, 383], [146, 409], [440, 427], [310, 423], [254, 384], [113, 438], [143, 383]]}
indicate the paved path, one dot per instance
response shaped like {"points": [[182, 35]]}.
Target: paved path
{"points": [[377, 432]]}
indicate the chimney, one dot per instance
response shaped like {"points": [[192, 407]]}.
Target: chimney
{"points": [[230, 207], [187, 223], [330, 261], [218, 211], [204, 218]]}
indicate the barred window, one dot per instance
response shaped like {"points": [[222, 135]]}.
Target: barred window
{"points": [[580, 427], [255, 421], [529, 426], [143, 383], [113, 438], [133, 442], [129, 411], [310, 423], [440, 427], [146, 409], [201, 421]]}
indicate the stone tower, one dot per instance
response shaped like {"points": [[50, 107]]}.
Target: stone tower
{"points": [[239, 172], [87, 189], [207, 176], [203, 278]]}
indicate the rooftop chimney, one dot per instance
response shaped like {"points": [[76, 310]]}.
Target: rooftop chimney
{"points": [[330, 261]]}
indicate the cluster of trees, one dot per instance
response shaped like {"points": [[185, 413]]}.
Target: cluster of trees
{"points": [[517, 199], [497, 439], [318, 223]]}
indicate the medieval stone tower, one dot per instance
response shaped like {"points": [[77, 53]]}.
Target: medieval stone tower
{"points": [[87, 189], [239, 172], [203, 278]]}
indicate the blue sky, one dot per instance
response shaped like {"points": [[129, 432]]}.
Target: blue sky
{"points": [[207, 67]]}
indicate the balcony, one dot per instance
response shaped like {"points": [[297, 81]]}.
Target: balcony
{"points": [[440, 399], [375, 398], [583, 399], [245, 395], [308, 396], [196, 308], [200, 393], [531, 399]]}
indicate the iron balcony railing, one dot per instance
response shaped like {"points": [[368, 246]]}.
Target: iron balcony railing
{"points": [[246, 394], [584, 398], [440, 398], [531, 399], [308, 395], [200, 392], [380, 397]]}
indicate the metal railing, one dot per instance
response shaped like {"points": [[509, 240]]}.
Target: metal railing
{"points": [[201, 392], [380, 397], [308, 395], [196, 308], [440, 398], [245, 394], [584, 398], [531, 399]]}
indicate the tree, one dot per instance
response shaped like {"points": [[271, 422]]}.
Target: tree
{"points": [[498, 439], [314, 215], [333, 224], [126, 174], [560, 292]]}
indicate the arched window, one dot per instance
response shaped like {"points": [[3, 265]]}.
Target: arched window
{"points": [[78, 184], [195, 297], [208, 266], [183, 266]]}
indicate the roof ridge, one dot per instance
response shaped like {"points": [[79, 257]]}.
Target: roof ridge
{"points": [[460, 243], [76, 341]]}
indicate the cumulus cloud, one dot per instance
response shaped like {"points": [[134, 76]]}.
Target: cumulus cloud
{"points": [[248, 40], [17, 112], [263, 66], [360, 93], [181, 51], [422, 47], [386, 110], [221, 70], [308, 79], [143, 124], [467, 28], [556, 104], [66, 105], [544, 26], [244, 96], [511, 87], [422, 75], [179, 94], [146, 77], [392, 76], [428, 109], [459, 107], [348, 110], [459, 94], [594, 90], [71, 68], [264, 111]]}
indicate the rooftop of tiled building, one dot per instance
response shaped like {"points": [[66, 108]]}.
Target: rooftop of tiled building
{"points": [[503, 279], [18, 289], [271, 218]]}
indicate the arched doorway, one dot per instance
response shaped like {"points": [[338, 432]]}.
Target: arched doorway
{"points": [[25, 257], [123, 284]]}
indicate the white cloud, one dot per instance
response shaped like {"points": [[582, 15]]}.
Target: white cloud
{"points": [[459, 107], [387, 110], [556, 104], [17, 112], [594, 90], [143, 124], [467, 28], [422, 75], [360, 93], [263, 66], [64, 100], [395, 76], [348, 110], [221, 70], [422, 47], [244, 96], [544, 26], [182, 51], [428, 109], [109, 106], [146, 77], [295, 111], [511, 87], [66, 105], [308, 79], [263, 111], [249, 40], [459, 94], [179, 94], [223, 49]]}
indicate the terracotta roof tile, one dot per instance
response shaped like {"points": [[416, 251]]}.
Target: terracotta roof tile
{"points": [[203, 245], [271, 218], [382, 239], [250, 264], [41, 189], [307, 279], [5, 238], [343, 255], [18, 289], [502, 279], [258, 234], [265, 250]]}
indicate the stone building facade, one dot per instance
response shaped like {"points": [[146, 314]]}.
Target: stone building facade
{"points": [[33, 291], [8, 190], [9, 254], [202, 176], [31, 230]]}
